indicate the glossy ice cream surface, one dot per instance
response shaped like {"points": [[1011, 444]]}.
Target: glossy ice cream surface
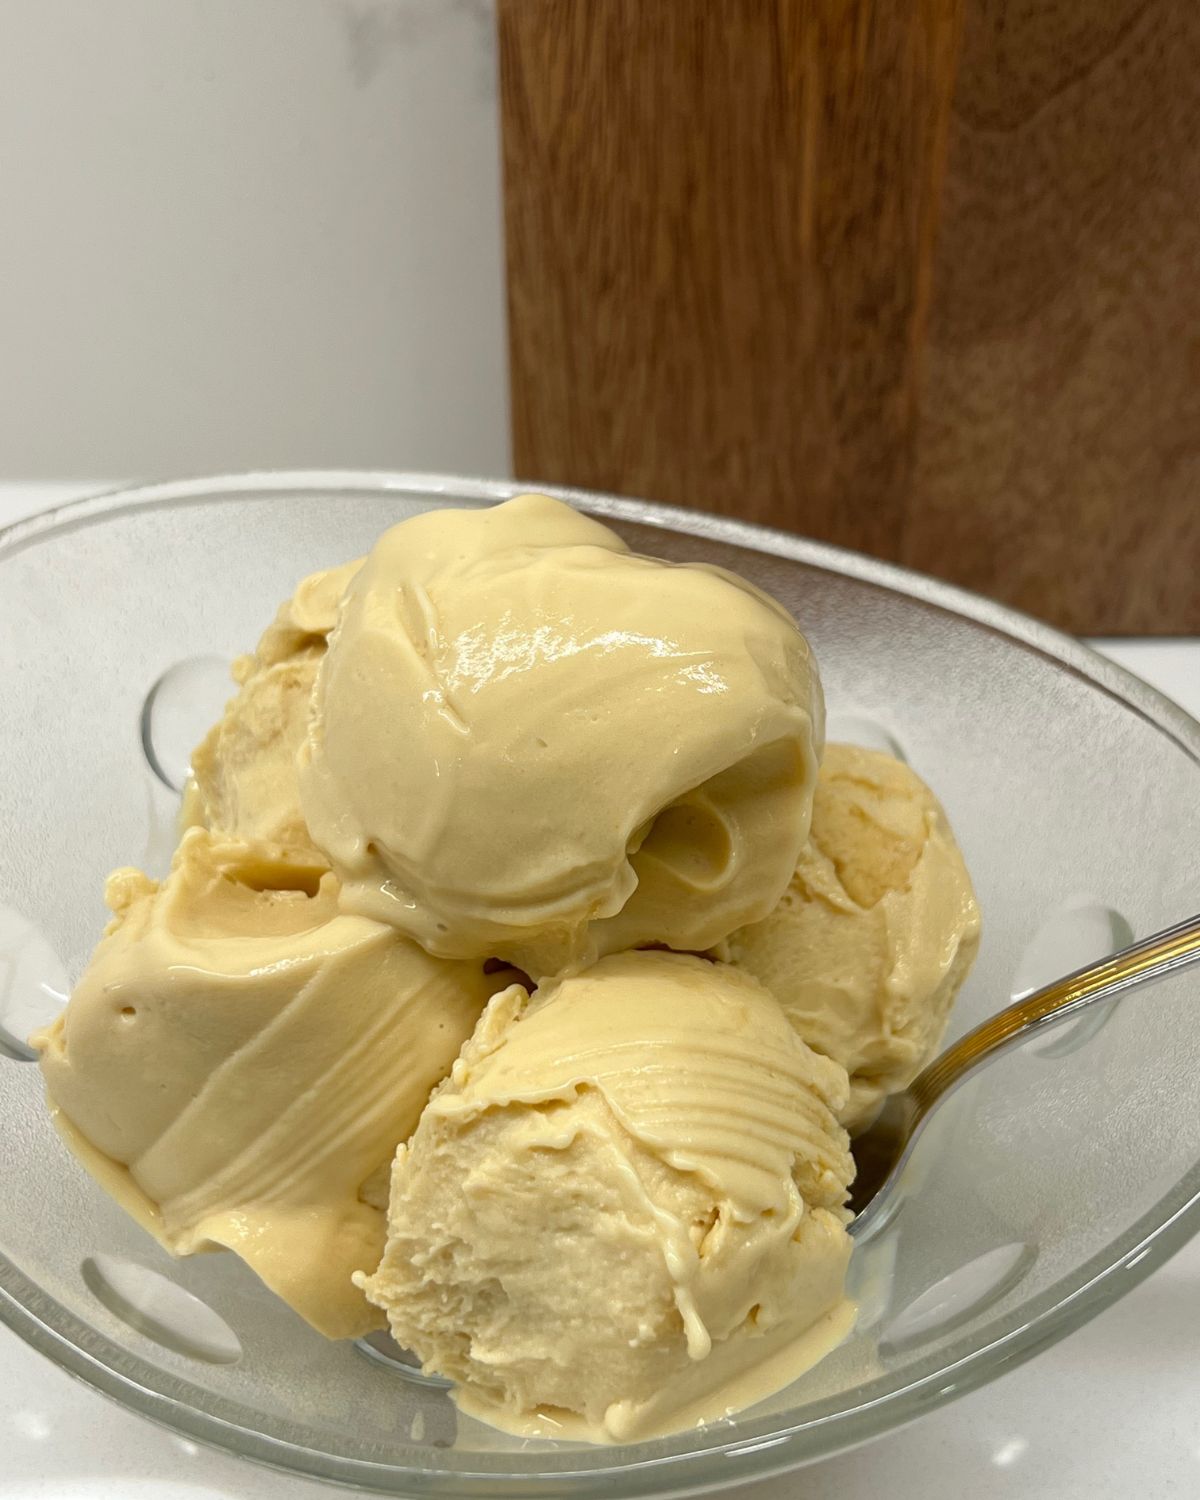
{"points": [[240, 1057], [527, 742]]}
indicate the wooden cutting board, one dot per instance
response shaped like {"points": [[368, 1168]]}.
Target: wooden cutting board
{"points": [[919, 277]]}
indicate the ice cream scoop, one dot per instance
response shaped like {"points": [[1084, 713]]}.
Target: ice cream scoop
{"points": [[877, 930], [623, 1211], [529, 742], [243, 780], [239, 1058]]}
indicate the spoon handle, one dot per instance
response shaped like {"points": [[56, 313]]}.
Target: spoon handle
{"points": [[1141, 963]]}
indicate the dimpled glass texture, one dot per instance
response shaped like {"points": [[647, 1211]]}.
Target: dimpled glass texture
{"points": [[1046, 1188]]}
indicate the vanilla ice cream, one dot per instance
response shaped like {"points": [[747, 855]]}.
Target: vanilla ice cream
{"points": [[240, 1057], [528, 742], [616, 1208], [243, 779], [623, 1212], [877, 930]]}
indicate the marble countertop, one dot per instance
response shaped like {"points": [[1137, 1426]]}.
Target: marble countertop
{"points": [[1108, 1412]]}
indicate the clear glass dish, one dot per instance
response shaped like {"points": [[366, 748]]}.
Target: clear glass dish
{"points": [[1049, 1187]]}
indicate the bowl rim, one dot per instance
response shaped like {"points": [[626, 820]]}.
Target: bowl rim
{"points": [[762, 1446]]}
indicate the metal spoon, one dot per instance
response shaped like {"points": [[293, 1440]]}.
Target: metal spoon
{"points": [[885, 1146]]}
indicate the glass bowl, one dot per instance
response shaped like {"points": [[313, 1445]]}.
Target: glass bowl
{"points": [[1047, 1188]]}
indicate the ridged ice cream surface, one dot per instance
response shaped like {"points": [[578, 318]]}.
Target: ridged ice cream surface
{"points": [[878, 928], [624, 1209], [528, 742], [243, 780], [240, 1057]]}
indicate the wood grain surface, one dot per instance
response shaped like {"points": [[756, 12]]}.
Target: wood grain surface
{"points": [[914, 276], [1058, 455]]}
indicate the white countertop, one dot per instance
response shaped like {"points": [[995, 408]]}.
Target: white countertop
{"points": [[1109, 1412]]}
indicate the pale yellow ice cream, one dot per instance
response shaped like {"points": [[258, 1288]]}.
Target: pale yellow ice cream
{"points": [[877, 931], [503, 735], [623, 1211], [240, 1057], [243, 779], [308, 617], [527, 741]]}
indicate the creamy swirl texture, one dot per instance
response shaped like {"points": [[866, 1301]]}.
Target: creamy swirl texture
{"points": [[239, 1058], [528, 742]]}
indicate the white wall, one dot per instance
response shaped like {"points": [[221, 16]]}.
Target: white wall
{"points": [[249, 233]]}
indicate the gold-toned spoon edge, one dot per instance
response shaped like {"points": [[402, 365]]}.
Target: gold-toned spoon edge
{"points": [[884, 1147]]}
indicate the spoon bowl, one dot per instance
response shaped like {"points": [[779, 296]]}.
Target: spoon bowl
{"points": [[882, 1150]]}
